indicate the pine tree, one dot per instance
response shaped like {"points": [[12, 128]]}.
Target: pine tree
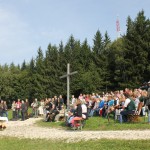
{"points": [[136, 49], [52, 71], [39, 76], [99, 58], [23, 67]]}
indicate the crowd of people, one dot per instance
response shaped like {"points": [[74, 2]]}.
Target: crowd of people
{"points": [[122, 103], [53, 109]]}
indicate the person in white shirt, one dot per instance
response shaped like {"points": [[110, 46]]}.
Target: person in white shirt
{"points": [[73, 100], [84, 110], [128, 108]]}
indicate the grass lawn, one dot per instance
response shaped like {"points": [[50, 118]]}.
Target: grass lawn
{"points": [[7, 143], [99, 123], [96, 123]]}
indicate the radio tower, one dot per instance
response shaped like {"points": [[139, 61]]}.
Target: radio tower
{"points": [[118, 27]]}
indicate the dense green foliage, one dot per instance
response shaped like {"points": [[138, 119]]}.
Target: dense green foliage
{"points": [[104, 66]]}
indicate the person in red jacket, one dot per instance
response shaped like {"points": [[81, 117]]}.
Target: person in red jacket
{"points": [[18, 107]]}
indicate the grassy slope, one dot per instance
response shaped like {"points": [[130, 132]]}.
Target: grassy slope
{"points": [[98, 123]]}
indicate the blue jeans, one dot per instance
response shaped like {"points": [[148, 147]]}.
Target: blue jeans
{"points": [[93, 111], [124, 114], [148, 116], [6, 114]]}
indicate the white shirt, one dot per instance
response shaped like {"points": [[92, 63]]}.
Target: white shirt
{"points": [[136, 102], [84, 108], [73, 100], [127, 101]]}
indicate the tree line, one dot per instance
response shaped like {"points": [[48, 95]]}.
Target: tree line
{"points": [[107, 65]]}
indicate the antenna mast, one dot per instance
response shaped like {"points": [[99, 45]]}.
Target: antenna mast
{"points": [[118, 27]]}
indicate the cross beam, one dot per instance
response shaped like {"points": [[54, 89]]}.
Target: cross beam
{"points": [[68, 82]]}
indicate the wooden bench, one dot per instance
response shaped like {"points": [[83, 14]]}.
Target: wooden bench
{"points": [[133, 118], [78, 123], [62, 118]]}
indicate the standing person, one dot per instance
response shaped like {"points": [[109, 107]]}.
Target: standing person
{"points": [[35, 106], [13, 107], [41, 108], [27, 106], [148, 95], [32, 108], [18, 106], [5, 109], [23, 110], [73, 100], [1, 108], [60, 102], [55, 102]]}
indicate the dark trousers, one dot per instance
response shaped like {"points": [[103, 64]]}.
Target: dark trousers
{"points": [[18, 113], [26, 114], [88, 111], [23, 115], [14, 115], [125, 113], [1, 113]]}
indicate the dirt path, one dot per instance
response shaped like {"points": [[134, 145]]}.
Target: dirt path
{"points": [[28, 129]]}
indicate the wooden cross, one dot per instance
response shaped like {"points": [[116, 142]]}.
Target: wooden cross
{"points": [[68, 82]]}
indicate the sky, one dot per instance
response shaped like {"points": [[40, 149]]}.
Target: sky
{"points": [[26, 25]]}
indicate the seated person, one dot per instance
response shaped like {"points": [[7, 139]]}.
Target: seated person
{"points": [[101, 106], [51, 115], [48, 108], [128, 108], [84, 110], [110, 104], [95, 107], [70, 117], [104, 109], [77, 113], [61, 113], [118, 105]]}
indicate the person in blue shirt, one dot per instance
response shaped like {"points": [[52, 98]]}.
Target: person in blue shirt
{"points": [[101, 106]]}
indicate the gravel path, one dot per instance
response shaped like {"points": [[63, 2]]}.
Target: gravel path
{"points": [[28, 129]]}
